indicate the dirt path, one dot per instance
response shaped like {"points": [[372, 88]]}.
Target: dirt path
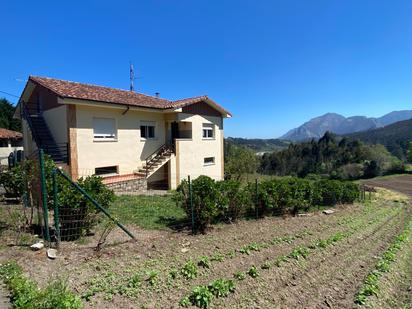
{"points": [[401, 184]]}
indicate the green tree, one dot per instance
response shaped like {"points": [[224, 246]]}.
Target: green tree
{"points": [[240, 161], [410, 152], [6, 116]]}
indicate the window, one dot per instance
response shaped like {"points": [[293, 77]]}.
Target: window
{"points": [[209, 160], [147, 129], [104, 129], [106, 170], [208, 131]]}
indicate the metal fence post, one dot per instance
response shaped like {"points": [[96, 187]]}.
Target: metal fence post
{"points": [[44, 195], [191, 204], [256, 198], [56, 207]]}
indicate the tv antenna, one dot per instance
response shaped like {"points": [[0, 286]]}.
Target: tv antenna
{"points": [[131, 77]]}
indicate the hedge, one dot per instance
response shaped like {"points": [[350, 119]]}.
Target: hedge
{"points": [[227, 201]]}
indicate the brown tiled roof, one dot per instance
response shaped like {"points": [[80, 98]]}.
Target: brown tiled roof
{"points": [[4, 133], [75, 90]]}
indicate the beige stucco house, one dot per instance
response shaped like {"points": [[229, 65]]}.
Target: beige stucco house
{"points": [[122, 135]]}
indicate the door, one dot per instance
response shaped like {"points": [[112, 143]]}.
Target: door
{"points": [[175, 131]]}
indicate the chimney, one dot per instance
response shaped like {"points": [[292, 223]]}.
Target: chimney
{"points": [[157, 94]]}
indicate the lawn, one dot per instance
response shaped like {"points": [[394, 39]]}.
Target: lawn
{"points": [[149, 212]]}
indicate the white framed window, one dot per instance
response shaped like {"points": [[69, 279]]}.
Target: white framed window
{"points": [[209, 161], [147, 129], [104, 129], [208, 131]]}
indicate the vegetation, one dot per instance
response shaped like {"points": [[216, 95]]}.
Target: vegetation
{"points": [[6, 116], [395, 137], [239, 161], [26, 294], [332, 158], [73, 206], [371, 284], [148, 212], [257, 144], [225, 201], [202, 295]]}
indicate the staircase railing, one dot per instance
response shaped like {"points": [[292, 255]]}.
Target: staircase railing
{"points": [[61, 149], [152, 158], [27, 116]]}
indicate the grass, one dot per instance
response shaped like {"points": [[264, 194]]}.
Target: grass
{"points": [[148, 212]]}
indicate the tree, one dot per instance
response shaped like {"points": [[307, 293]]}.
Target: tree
{"points": [[240, 161], [6, 116], [410, 152]]}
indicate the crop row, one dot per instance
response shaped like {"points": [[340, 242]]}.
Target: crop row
{"points": [[200, 296], [371, 283]]}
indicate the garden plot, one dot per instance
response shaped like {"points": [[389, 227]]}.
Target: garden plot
{"points": [[314, 261]]}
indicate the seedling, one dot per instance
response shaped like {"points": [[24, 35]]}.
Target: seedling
{"points": [[201, 296], [221, 287], [253, 272], [173, 273], [185, 302], [189, 270], [217, 257], [204, 262], [152, 277], [239, 275]]}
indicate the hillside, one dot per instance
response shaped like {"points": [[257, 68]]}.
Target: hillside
{"points": [[338, 124], [395, 137], [259, 145]]}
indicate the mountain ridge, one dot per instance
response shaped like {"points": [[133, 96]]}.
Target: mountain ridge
{"points": [[316, 127]]}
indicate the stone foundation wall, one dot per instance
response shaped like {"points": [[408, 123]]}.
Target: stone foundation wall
{"points": [[129, 186]]}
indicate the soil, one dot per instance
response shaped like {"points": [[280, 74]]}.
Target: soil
{"points": [[327, 278]]}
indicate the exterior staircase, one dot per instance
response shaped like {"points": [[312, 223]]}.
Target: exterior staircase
{"points": [[43, 137], [156, 160]]}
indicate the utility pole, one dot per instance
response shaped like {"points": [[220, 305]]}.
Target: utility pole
{"points": [[131, 77]]}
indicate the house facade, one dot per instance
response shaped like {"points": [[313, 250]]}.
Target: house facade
{"points": [[122, 135]]}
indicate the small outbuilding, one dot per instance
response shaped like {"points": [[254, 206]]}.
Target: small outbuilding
{"points": [[10, 143]]}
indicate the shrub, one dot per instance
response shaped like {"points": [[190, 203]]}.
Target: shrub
{"points": [[233, 200], [78, 214], [13, 181], [205, 197], [228, 200], [350, 192], [330, 192]]}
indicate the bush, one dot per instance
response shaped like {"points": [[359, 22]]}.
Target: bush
{"points": [[233, 200], [77, 213], [205, 197], [12, 181], [228, 200]]}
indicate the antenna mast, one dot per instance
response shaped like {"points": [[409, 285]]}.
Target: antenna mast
{"points": [[131, 77]]}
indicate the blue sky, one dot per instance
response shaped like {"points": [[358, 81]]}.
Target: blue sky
{"points": [[273, 64]]}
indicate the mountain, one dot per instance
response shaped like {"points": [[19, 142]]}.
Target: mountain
{"points": [[257, 144], [395, 137], [316, 127]]}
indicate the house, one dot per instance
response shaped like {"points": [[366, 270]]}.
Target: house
{"points": [[124, 136], [10, 142]]}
